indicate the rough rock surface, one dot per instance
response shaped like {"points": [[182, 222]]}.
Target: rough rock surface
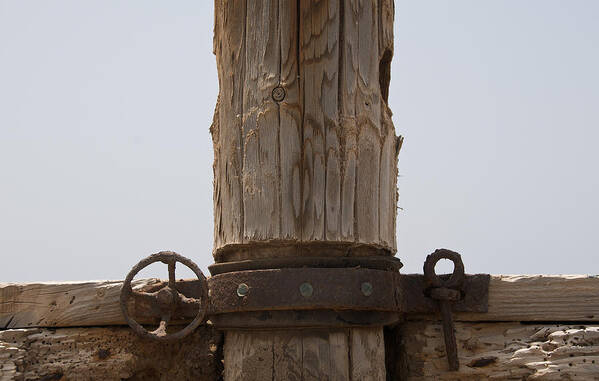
{"points": [[501, 351], [106, 354]]}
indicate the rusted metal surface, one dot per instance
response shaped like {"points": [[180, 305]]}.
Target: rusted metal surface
{"points": [[304, 319], [166, 301], [445, 292], [295, 294], [414, 299], [475, 294], [374, 263], [305, 289]]}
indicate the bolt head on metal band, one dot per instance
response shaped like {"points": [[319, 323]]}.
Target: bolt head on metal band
{"points": [[242, 289], [306, 290], [366, 288]]}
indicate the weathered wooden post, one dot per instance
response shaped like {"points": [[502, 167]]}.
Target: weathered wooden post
{"points": [[305, 165]]}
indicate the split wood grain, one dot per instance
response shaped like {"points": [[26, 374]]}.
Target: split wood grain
{"points": [[540, 298], [308, 175], [290, 114], [71, 304], [229, 30], [261, 122], [501, 351], [337, 355], [316, 171]]}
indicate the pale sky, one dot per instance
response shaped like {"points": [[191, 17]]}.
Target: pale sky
{"points": [[106, 157]]}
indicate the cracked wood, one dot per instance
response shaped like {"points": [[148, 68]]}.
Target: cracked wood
{"points": [[339, 355], [318, 170]]}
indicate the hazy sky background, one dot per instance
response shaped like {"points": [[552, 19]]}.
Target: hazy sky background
{"points": [[105, 154]]}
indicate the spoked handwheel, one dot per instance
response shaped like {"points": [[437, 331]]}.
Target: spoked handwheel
{"points": [[167, 299]]}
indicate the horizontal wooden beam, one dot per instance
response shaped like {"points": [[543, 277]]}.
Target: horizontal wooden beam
{"points": [[511, 298], [540, 298], [72, 304]]}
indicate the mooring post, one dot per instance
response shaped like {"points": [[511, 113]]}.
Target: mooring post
{"points": [[305, 166]]}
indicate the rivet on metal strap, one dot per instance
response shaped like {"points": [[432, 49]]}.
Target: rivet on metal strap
{"points": [[242, 289], [306, 290], [366, 288]]}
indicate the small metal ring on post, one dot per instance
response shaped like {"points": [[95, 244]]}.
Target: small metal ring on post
{"points": [[278, 94], [456, 280], [167, 298]]}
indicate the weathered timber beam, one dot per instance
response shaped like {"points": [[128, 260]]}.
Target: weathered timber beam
{"points": [[72, 304], [107, 354], [559, 298], [511, 298]]}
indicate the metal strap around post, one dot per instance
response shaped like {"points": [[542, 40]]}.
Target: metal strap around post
{"points": [[369, 293]]}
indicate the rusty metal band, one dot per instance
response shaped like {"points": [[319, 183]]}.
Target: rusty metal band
{"points": [[305, 319], [374, 262], [274, 298], [411, 289], [353, 289], [475, 294], [303, 293]]}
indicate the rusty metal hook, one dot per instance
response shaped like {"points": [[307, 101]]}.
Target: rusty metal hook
{"points": [[456, 281], [446, 292]]}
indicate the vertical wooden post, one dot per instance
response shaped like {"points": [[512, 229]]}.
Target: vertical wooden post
{"points": [[312, 174]]}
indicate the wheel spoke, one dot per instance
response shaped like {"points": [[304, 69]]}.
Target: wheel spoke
{"points": [[171, 273], [161, 330], [166, 302]]}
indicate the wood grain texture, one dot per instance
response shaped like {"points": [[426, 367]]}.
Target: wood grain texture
{"points": [[110, 354], [260, 130], [501, 351], [71, 304], [351, 354], [368, 111], [511, 298], [313, 45], [539, 298], [249, 356], [367, 354], [317, 170], [226, 129], [290, 113], [288, 352]]}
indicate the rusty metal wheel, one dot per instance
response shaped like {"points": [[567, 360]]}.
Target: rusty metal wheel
{"points": [[166, 299]]}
